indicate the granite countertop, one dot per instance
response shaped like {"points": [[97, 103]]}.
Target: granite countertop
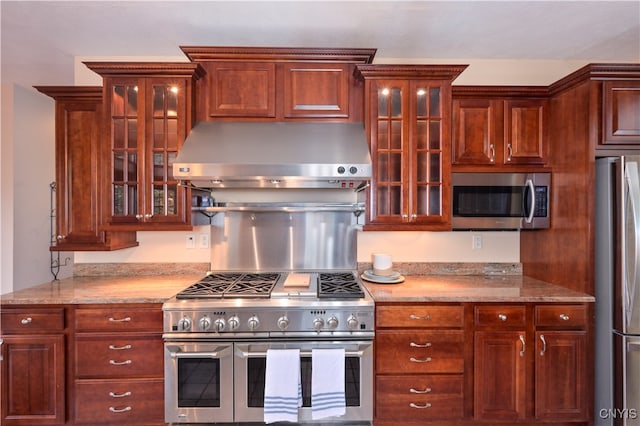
{"points": [[415, 288], [115, 289], [474, 288]]}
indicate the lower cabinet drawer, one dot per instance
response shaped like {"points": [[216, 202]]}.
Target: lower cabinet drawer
{"points": [[419, 352], [419, 397], [119, 402], [109, 356]]}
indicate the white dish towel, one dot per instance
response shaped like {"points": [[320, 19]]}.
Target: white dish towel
{"points": [[282, 388], [327, 383]]}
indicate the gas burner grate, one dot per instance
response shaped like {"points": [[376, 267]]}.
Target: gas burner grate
{"points": [[342, 285], [221, 285]]}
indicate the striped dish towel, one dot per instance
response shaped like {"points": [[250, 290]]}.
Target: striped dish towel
{"points": [[327, 383], [282, 388]]}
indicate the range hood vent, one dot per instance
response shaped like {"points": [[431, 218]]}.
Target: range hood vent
{"points": [[274, 155]]}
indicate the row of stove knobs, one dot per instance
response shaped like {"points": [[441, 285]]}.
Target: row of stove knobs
{"points": [[219, 324]]}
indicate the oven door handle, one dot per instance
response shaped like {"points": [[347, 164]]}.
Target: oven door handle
{"points": [[176, 355], [262, 354]]}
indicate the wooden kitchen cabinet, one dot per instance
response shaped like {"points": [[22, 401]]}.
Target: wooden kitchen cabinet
{"points": [[499, 127], [148, 114], [419, 363], [621, 112], [531, 356], [408, 120], [33, 365], [78, 159], [118, 371], [279, 84]]}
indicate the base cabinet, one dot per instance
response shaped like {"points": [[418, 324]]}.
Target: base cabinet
{"points": [[33, 366], [543, 353], [420, 363], [483, 363], [119, 373]]}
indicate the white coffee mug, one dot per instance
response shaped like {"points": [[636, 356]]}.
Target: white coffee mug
{"points": [[382, 264]]}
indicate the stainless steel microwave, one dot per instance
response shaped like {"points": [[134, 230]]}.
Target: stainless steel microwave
{"points": [[500, 201]]}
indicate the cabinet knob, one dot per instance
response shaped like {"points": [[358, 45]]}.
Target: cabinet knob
{"points": [[61, 237], [139, 216], [564, 317], [26, 321], [148, 215], [502, 317]]}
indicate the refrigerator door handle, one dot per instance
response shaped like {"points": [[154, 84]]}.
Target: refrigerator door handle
{"points": [[632, 189]]}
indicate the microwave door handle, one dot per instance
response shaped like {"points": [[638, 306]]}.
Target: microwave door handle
{"points": [[532, 201]]}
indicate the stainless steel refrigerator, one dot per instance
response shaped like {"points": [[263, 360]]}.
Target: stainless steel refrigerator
{"points": [[617, 339]]}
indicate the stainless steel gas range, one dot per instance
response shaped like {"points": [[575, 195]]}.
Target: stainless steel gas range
{"points": [[286, 280]]}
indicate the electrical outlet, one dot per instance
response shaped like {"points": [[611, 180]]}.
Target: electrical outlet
{"points": [[203, 241], [191, 241], [476, 242]]}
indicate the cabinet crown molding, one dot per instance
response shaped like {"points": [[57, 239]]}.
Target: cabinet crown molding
{"points": [[186, 69], [431, 71], [278, 54], [71, 93]]}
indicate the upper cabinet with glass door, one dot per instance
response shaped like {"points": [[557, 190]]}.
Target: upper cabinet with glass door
{"points": [[408, 118], [148, 116]]}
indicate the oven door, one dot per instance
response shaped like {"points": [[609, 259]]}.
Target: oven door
{"points": [[198, 377], [249, 379]]}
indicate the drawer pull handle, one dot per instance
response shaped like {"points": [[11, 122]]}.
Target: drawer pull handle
{"points": [[414, 405], [125, 319], [113, 362], [119, 395], [420, 317], [420, 345], [426, 390], [523, 345], [119, 348], [544, 345], [564, 317], [502, 317], [120, 410], [26, 321], [427, 359]]}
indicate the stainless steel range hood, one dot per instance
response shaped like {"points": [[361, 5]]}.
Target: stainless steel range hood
{"points": [[274, 155]]}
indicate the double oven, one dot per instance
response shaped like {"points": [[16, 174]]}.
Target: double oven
{"points": [[286, 280]]}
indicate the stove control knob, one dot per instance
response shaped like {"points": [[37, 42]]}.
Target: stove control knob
{"points": [[283, 322], [318, 323], [205, 323], [253, 323], [234, 322], [332, 322], [184, 324], [352, 322], [219, 324]]}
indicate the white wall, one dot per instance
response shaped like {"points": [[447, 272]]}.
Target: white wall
{"points": [[6, 191]]}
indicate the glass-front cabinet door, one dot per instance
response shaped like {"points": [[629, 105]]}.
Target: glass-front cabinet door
{"points": [[148, 127], [410, 149], [148, 113]]}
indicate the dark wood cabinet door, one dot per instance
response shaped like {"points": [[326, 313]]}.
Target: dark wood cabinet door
{"points": [[242, 89], [316, 90], [561, 376], [500, 375], [477, 133], [621, 112], [33, 380], [525, 125]]}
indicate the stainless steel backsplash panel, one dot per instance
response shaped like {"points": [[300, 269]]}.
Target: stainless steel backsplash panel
{"points": [[283, 240]]}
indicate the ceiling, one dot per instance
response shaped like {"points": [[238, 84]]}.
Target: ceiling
{"points": [[40, 39]]}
